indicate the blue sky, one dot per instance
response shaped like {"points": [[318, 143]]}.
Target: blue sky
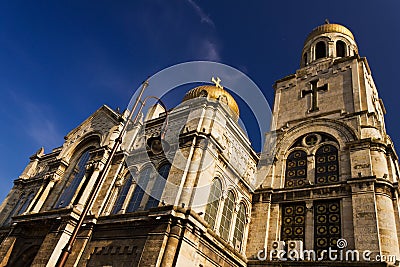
{"points": [[61, 60]]}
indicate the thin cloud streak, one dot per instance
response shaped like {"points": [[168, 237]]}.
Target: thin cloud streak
{"points": [[203, 17], [36, 122], [210, 51]]}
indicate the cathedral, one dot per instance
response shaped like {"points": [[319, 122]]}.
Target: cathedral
{"points": [[329, 197]]}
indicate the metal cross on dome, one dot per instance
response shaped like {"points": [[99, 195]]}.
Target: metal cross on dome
{"points": [[217, 82]]}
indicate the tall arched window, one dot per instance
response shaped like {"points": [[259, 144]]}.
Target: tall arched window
{"points": [[320, 50], [26, 203], [305, 59], [239, 227], [327, 165], [122, 195], [158, 187], [213, 202], [77, 175], [296, 169], [227, 213], [136, 199], [340, 49], [15, 209]]}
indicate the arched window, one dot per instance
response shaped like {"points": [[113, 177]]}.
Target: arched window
{"points": [[26, 203], [320, 50], [305, 59], [122, 195], [213, 202], [15, 209], [340, 49], [77, 175], [136, 199], [158, 187], [239, 227], [327, 165], [227, 213], [296, 169]]}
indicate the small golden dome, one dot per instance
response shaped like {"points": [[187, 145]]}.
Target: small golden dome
{"points": [[213, 92], [327, 28]]}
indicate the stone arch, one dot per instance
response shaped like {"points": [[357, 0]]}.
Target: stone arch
{"points": [[25, 257], [314, 149], [290, 150], [83, 142], [247, 206], [338, 130], [232, 189], [221, 177]]}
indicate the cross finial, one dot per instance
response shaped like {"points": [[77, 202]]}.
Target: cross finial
{"points": [[216, 82], [314, 94]]}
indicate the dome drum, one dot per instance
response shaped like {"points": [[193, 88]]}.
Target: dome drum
{"points": [[328, 41]]}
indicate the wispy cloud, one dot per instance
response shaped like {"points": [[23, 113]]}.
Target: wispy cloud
{"points": [[35, 120], [204, 18], [210, 51]]}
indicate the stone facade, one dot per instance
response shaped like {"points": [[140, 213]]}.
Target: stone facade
{"points": [[190, 201]]}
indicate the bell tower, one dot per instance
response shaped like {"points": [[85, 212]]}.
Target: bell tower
{"points": [[335, 174]]}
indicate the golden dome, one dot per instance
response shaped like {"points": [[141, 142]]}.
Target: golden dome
{"points": [[327, 28], [213, 92]]}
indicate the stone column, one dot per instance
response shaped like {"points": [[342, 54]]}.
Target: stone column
{"points": [[192, 174], [233, 224], [57, 169], [175, 232], [43, 196], [366, 232], [311, 168], [386, 220], [309, 226], [257, 237], [97, 167]]}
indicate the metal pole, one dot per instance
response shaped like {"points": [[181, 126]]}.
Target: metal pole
{"points": [[93, 193]]}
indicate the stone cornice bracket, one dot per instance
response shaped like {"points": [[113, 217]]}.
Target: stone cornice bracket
{"points": [[56, 170], [96, 166]]}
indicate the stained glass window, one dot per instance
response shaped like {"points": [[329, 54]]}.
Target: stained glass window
{"points": [[227, 213], [213, 202], [296, 169], [76, 176], [327, 224], [326, 165], [293, 224], [239, 227], [136, 199], [158, 187], [122, 195]]}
